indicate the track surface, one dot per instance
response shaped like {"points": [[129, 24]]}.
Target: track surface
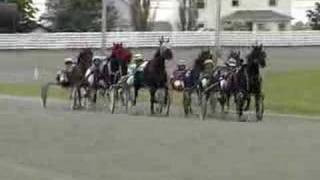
{"points": [[39, 144]]}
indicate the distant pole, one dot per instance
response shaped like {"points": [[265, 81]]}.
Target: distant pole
{"points": [[104, 26], [218, 28]]}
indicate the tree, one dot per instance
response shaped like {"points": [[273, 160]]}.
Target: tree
{"points": [[188, 15], [79, 15], [27, 13], [314, 17], [140, 12]]}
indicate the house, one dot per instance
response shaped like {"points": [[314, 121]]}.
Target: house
{"points": [[254, 15], [8, 17]]}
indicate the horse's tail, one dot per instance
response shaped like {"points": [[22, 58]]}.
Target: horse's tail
{"points": [[44, 93]]}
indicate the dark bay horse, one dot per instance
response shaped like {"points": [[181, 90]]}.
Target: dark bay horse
{"points": [[192, 79], [73, 78], [156, 77], [245, 80], [255, 61], [198, 67], [84, 60], [228, 79]]}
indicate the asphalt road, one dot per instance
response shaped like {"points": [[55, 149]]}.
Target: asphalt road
{"points": [[56, 144]]}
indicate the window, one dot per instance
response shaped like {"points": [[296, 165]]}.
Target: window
{"points": [[235, 3], [263, 27], [273, 3], [200, 4], [282, 27]]}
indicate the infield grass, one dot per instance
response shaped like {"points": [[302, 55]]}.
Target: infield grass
{"points": [[295, 92]]}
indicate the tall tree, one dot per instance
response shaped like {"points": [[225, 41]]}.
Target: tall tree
{"points": [[79, 15], [27, 12], [140, 13], [314, 17], [188, 15]]}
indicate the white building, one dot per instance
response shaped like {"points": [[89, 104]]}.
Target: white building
{"points": [[255, 15]]}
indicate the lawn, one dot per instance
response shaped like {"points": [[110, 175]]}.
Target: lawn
{"points": [[30, 90], [295, 92]]}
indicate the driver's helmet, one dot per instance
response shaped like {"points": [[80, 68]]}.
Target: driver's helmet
{"points": [[97, 60], [181, 65], [68, 61], [138, 58], [208, 63], [231, 62]]}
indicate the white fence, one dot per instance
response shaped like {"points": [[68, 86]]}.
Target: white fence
{"points": [[150, 39]]}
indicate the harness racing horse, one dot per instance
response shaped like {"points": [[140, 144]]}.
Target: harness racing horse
{"points": [[255, 61], [155, 78], [72, 78], [192, 80], [227, 76], [84, 60]]}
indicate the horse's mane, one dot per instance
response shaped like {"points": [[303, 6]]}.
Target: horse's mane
{"points": [[198, 63], [157, 54]]}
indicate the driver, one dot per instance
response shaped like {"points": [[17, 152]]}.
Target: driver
{"points": [[135, 70], [207, 74], [62, 75], [178, 77]]}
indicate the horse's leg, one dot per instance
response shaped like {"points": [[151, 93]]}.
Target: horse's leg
{"points": [[248, 100], [152, 99], [136, 94], [79, 98], [70, 93], [166, 95], [95, 96], [240, 103]]}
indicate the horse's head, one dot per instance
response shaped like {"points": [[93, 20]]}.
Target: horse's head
{"points": [[85, 56], [257, 56], [204, 55], [165, 50]]}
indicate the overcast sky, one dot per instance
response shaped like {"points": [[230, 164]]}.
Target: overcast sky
{"points": [[299, 8]]}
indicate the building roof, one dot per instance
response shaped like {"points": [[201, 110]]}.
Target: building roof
{"points": [[257, 15]]}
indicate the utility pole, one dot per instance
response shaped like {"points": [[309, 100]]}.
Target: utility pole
{"points": [[218, 28], [103, 26]]}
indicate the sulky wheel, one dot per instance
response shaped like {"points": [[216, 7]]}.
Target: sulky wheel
{"points": [[186, 103], [259, 107], [203, 106], [113, 99]]}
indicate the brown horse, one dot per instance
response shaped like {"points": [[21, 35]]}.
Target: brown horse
{"points": [[72, 79], [155, 75], [84, 60]]}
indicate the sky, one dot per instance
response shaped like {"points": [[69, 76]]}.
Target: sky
{"points": [[299, 8]]}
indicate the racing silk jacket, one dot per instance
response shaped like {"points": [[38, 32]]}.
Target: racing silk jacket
{"points": [[179, 75]]}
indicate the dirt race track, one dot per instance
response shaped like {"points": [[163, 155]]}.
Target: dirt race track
{"points": [[56, 144]]}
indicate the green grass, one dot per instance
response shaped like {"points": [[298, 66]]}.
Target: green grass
{"points": [[30, 90], [293, 92], [296, 92]]}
